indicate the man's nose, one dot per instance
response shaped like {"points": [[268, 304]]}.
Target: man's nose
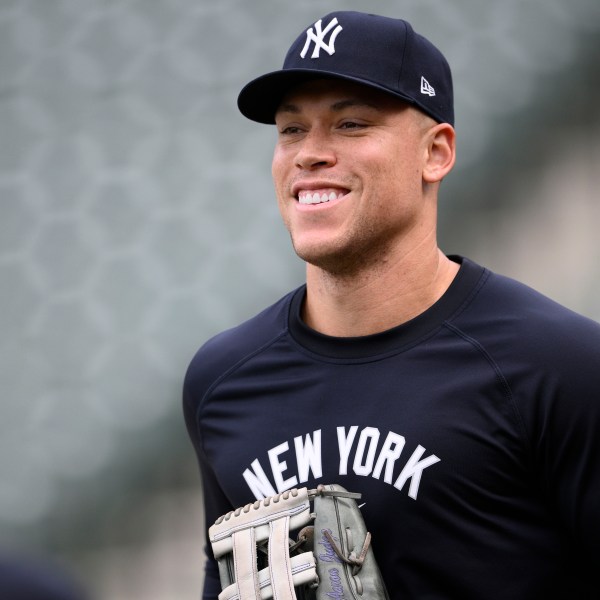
{"points": [[315, 151]]}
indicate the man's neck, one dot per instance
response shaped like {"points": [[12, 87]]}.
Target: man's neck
{"points": [[377, 299]]}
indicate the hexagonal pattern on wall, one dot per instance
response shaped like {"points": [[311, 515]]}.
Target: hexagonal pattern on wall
{"points": [[137, 216]]}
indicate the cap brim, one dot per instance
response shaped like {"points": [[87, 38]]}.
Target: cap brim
{"points": [[259, 99]]}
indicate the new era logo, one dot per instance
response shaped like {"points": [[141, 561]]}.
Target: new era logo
{"points": [[318, 37], [426, 87]]}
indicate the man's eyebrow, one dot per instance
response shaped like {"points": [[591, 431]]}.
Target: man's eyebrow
{"points": [[338, 106], [288, 108], [352, 102]]}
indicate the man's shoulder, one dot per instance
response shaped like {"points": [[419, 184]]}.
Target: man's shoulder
{"points": [[506, 312], [535, 308], [224, 351]]}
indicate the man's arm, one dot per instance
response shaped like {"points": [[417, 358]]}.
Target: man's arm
{"points": [[563, 424], [215, 502]]}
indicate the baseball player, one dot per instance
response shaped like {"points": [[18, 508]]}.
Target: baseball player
{"points": [[462, 405]]}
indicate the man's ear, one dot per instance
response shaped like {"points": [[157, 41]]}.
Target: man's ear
{"points": [[441, 152]]}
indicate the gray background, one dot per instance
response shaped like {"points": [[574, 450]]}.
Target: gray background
{"points": [[137, 219]]}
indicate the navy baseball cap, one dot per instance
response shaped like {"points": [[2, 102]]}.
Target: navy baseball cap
{"points": [[379, 52]]}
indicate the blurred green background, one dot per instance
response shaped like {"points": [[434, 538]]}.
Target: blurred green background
{"points": [[137, 219]]}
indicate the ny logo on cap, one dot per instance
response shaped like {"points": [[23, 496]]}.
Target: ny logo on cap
{"points": [[319, 37]]}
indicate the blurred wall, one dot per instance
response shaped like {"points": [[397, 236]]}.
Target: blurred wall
{"points": [[137, 219]]}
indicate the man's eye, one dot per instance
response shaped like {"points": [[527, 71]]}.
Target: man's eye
{"points": [[289, 130], [351, 125]]}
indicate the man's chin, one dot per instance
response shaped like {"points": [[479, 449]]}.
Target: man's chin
{"points": [[335, 261]]}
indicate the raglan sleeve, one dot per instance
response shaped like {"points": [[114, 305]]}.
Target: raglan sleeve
{"points": [[564, 426], [214, 501]]}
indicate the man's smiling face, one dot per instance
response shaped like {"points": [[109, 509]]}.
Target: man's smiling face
{"points": [[347, 170]]}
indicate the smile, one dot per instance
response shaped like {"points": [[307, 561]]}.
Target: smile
{"points": [[319, 196]]}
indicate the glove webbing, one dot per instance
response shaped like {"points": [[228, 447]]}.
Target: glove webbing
{"points": [[234, 538]]}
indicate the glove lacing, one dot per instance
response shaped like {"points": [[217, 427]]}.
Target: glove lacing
{"points": [[354, 560], [256, 505]]}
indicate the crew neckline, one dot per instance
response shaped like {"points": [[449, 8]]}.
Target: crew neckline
{"points": [[396, 338]]}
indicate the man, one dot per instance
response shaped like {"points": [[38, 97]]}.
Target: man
{"points": [[463, 405]]}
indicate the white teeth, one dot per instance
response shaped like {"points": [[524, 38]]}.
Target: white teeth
{"points": [[316, 198]]}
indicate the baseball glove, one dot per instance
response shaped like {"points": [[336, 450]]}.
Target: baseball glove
{"points": [[331, 558]]}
